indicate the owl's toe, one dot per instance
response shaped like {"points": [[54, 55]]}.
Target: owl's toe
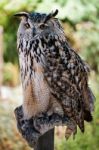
{"points": [[59, 111], [55, 110], [70, 131]]}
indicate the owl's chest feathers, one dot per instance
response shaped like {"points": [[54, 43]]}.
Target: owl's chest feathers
{"points": [[41, 88], [35, 88]]}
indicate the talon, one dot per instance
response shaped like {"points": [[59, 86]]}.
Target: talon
{"points": [[50, 112], [70, 131]]}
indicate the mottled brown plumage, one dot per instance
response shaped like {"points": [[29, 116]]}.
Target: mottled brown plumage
{"points": [[54, 77]]}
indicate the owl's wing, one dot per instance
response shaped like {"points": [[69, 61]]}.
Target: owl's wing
{"points": [[67, 77]]}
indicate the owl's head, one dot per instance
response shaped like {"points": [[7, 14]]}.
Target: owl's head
{"points": [[37, 24]]}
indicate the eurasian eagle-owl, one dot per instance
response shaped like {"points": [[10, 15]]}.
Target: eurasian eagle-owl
{"points": [[54, 77]]}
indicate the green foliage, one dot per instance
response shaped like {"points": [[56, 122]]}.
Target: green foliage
{"points": [[90, 46], [10, 74]]}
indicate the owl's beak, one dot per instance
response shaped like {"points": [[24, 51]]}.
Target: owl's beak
{"points": [[22, 14], [34, 31]]}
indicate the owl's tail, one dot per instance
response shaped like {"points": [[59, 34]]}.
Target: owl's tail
{"points": [[87, 116], [89, 105], [86, 111]]}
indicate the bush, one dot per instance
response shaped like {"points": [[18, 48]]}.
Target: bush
{"points": [[10, 74]]}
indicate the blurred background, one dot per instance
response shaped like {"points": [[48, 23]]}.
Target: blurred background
{"points": [[80, 19]]}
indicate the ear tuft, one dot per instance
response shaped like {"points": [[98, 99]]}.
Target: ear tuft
{"points": [[55, 13], [22, 14], [50, 15]]}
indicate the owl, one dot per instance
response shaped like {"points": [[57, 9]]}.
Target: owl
{"points": [[54, 77]]}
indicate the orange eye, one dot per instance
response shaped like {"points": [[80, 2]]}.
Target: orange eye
{"points": [[27, 25], [43, 26]]}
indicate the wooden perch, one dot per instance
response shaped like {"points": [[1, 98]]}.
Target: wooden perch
{"points": [[32, 129]]}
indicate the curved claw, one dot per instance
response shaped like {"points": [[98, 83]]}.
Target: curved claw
{"points": [[70, 131]]}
